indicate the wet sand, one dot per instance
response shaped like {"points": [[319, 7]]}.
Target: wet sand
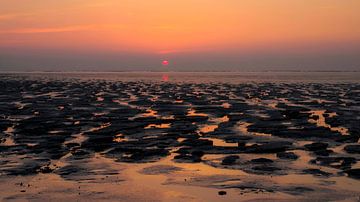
{"points": [[90, 139]]}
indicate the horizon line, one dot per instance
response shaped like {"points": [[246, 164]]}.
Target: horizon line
{"points": [[154, 71]]}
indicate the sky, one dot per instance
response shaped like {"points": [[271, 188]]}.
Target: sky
{"points": [[193, 35]]}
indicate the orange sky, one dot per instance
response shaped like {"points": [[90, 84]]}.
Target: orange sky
{"points": [[185, 25], [179, 26]]}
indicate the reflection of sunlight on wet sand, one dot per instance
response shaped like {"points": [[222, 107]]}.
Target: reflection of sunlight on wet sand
{"points": [[226, 105], [180, 181], [221, 119], [99, 114], [321, 122], [80, 137], [149, 113], [273, 105], [295, 179], [170, 117], [243, 128], [200, 168], [129, 185], [347, 184], [192, 112], [125, 103], [356, 165], [196, 179], [120, 138], [9, 141], [208, 128], [220, 143], [99, 99], [104, 125], [181, 139], [121, 102], [162, 125], [212, 127]]}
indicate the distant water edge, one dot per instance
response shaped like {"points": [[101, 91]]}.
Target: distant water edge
{"points": [[197, 77]]}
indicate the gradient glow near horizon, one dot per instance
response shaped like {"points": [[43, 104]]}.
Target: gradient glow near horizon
{"points": [[198, 33]]}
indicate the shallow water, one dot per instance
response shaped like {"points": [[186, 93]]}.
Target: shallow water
{"points": [[200, 77], [134, 137]]}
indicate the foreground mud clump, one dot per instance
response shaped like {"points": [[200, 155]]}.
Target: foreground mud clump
{"points": [[260, 130]]}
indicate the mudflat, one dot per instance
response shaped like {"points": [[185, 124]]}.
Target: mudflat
{"points": [[142, 140]]}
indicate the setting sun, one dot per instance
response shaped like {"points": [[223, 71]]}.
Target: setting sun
{"points": [[165, 63]]}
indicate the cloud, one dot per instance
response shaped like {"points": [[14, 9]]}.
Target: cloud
{"points": [[4, 17], [47, 29]]}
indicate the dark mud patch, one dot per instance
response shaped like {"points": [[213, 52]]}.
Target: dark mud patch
{"points": [[160, 169]]}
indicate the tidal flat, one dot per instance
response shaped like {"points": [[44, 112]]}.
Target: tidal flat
{"points": [[86, 138]]}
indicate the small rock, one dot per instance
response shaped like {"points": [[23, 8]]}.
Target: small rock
{"points": [[46, 169], [317, 172], [287, 155], [316, 146], [352, 149], [261, 160], [266, 168], [353, 173], [221, 193], [197, 153], [323, 152], [229, 160], [270, 147], [187, 158], [335, 162]]}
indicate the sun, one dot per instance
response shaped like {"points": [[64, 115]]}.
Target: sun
{"points": [[165, 63]]}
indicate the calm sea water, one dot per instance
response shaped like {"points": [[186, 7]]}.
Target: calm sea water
{"points": [[199, 77]]}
